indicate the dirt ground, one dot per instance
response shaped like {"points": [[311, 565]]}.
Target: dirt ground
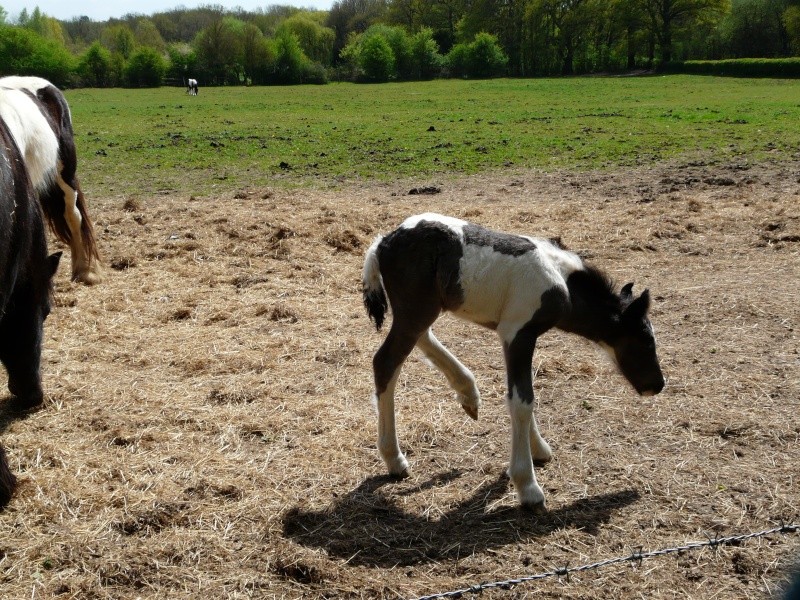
{"points": [[208, 430]]}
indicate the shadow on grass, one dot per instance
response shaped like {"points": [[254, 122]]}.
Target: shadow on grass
{"points": [[366, 527]]}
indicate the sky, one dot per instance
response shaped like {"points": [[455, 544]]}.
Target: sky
{"points": [[102, 10]]}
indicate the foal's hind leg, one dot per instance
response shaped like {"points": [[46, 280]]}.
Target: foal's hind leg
{"points": [[83, 268], [458, 376], [386, 366]]}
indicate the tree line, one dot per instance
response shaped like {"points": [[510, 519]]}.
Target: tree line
{"points": [[383, 40]]}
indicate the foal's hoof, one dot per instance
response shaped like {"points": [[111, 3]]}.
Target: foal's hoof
{"points": [[472, 411], [404, 474], [536, 508]]}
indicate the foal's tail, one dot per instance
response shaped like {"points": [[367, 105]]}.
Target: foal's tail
{"points": [[374, 295], [7, 480]]}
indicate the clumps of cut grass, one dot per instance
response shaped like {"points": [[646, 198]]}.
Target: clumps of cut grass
{"points": [[279, 313], [123, 263]]}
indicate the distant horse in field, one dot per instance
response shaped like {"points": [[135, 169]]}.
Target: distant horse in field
{"points": [[192, 87], [516, 285], [26, 273], [52, 163]]}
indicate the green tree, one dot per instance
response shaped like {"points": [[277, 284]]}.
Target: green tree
{"points": [[145, 68], [666, 17], [183, 63], [219, 49], [47, 27], [94, 67], [24, 51], [376, 59], [426, 60], [754, 29], [290, 62], [315, 39], [486, 58], [791, 21], [147, 34], [119, 39], [258, 55], [457, 60], [353, 17]]}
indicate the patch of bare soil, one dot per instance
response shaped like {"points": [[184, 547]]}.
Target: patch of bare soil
{"points": [[208, 431]]}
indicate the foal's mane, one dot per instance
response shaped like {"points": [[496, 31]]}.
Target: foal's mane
{"points": [[592, 282]]}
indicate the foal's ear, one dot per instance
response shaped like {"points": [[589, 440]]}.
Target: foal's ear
{"points": [[53, 261], [639, 307], [627, 291]]}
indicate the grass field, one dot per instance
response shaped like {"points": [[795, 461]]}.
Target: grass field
{"points": [[207, 430], [163, 140]]}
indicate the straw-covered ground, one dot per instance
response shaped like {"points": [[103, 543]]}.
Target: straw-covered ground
{"points": [[208, 431]]}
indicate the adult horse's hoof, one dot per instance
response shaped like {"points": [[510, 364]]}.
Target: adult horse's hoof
{"points": [[88, 277]]}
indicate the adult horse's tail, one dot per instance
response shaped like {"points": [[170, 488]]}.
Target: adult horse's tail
{"points": [[374, 295], [7, 480], [64, 223]]}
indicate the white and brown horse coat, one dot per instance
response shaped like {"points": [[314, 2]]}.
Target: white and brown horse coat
{"points": [[52, 162], [516, 285]]}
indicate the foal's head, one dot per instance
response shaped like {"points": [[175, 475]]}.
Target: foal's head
{"points": [[634, 346]]}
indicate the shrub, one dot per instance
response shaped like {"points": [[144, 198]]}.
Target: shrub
{"points": [[94, 67], [376, 59], [24, 51], [290, 62], [146, 68], [740, 67], [427, 62], [486, 58]]}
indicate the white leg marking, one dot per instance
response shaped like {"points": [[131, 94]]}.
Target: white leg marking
{"points": [[458, 376], [520, 470], [388, 445]]}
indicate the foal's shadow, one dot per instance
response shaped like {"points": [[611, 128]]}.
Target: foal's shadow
{"points": [[366, 527]]}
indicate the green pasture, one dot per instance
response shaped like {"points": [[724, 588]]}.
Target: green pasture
{"points": [[161, 140]]}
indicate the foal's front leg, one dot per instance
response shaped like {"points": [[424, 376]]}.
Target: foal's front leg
{"points": [[458, 376], [519, 357]]}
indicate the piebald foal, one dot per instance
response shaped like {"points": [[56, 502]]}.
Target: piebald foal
{"points": [[516, 285]]}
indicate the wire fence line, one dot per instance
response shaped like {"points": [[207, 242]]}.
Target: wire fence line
{"points": [[638, 555]]}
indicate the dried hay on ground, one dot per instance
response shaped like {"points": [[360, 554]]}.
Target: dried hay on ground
{"points": [[208, 430]]}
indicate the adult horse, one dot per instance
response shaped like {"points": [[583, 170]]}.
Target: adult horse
{"points": [[26, 271], [54, 177], [516, 285]]}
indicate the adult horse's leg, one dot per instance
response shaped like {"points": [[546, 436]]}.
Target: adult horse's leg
{"points": [[458, 376], [22, 362], [7, 479], [518, 350], [84, 268], [386, 365]]}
